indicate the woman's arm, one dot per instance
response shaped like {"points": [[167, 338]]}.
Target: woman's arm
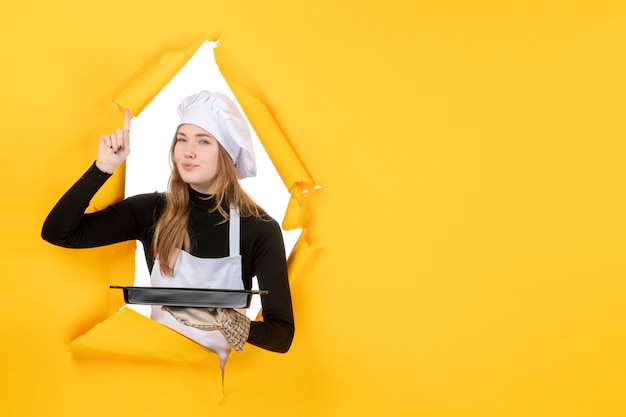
{"points": [[63, 226], [67, 224], [277, 329]]}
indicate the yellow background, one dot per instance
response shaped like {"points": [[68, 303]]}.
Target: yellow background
{"points": [[471, 221]]}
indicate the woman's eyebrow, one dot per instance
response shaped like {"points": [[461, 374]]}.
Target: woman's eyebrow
{"points": [[197, 135], [204, 135]]}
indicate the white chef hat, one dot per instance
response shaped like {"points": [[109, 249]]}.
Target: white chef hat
{"points": [[217, 114]]}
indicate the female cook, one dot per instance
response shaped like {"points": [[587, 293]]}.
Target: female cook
{"points": [[205, 231]]}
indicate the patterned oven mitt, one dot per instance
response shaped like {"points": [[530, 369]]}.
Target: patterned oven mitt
{"points": [[232, 324]]}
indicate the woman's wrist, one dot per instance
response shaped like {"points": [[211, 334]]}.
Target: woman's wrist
{"points": [[105, 168]]}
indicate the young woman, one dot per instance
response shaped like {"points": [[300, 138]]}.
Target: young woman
{"points": [[205, 231]]}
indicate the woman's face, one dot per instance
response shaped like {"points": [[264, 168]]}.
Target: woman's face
{"points": [[196, 157]]}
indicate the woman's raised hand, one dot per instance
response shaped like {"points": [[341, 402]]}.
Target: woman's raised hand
{"points": [[114, 148]]}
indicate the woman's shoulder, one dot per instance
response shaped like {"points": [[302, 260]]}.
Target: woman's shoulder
{"points": [[263, 230], [263, 222]]}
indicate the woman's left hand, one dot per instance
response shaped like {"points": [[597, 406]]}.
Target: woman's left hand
{"points": [[114, 148]]}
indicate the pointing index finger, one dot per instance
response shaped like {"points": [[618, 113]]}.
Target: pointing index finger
{"points": [[126, 119]]}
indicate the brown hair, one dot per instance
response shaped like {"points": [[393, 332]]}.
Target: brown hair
{"points": [[171, 233]]}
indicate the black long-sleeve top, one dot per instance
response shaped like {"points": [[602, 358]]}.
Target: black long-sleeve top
{"points": [[134, 218]]}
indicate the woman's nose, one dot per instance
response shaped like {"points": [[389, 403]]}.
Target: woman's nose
{"points": [[189, 151]]}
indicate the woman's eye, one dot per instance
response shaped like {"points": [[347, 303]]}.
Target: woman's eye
{"points": [[180, 139], [204, 142]]}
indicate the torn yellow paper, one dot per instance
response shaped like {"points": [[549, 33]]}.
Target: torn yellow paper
{"points": [[145, 87], [287, 163], [130, 335], [301, 256], [299, 209], [473, 159]]}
